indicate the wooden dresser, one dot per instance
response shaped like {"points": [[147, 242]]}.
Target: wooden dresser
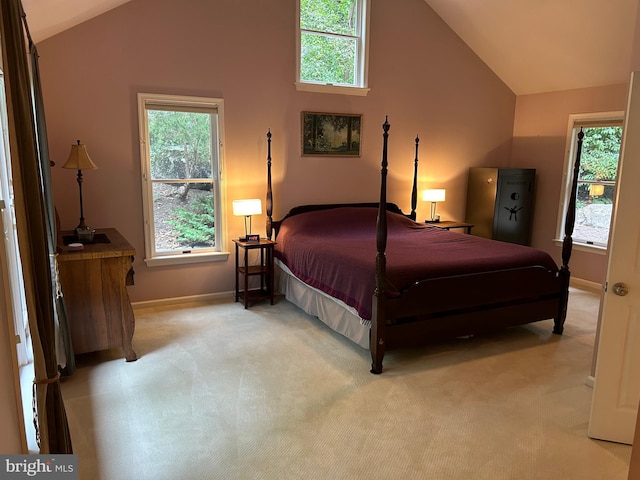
{"points": [[94, 284]]}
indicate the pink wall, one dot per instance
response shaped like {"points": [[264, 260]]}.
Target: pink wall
{"points": [[539, 141], [421, 75], [635, 50]]}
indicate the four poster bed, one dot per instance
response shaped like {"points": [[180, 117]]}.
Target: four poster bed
{"points": [[375, 275]]}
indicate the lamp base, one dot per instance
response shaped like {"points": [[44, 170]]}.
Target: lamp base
{"points": [[85, 234], [437, 220]]}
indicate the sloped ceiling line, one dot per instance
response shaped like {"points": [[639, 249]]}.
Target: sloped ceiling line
{"points": [[532, 45]]}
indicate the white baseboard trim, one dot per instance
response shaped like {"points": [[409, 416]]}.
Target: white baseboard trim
{"points": [[206, 297], [585, 285], [163, 302], [590, 381]]}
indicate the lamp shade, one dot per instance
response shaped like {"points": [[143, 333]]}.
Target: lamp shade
{"points": [[433, 195], [79, 158], [252, 206]]}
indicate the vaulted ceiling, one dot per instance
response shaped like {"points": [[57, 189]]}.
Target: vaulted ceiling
{"points": [[48, 17], [547, 45], [532, 45]]}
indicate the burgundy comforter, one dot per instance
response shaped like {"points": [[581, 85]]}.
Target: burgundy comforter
{"points": [[334, 251]]}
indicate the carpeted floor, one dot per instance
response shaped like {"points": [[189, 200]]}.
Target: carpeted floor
{"points": [[220, 392]]}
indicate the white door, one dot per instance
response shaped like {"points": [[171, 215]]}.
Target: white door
{"points": [[617, 380]]}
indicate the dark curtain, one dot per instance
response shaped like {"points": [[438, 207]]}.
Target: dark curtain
{"points": [[65, 350], [34, 229]]}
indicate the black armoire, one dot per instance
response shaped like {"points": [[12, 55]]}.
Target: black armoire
{"points": [[500, 203]]}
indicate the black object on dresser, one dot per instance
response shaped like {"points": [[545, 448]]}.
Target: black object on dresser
{"points": [[500, 203]]}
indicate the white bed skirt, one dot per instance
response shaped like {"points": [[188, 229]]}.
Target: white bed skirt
{"points": [[336, 314]]}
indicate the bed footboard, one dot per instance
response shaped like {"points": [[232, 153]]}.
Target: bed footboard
{"points": [[400, 321]]}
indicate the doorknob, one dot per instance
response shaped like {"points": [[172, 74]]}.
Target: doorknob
{"points": [[620, 289]]}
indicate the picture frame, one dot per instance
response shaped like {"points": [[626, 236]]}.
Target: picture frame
{"points": [[331, 134]]}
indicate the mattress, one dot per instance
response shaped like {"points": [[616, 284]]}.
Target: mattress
{"points": [[334, 252]]}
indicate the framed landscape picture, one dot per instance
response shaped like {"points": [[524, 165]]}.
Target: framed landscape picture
{"points": [[331, 134]]}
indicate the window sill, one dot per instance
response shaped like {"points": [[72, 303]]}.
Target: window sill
{"points": [[187, 258], [335, 89], [598, 250]]}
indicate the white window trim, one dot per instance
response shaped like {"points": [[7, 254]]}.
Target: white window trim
{"points": [[185, 259], [360, 90], [329, 88], [221, 253], [583, 247], [566, 178]]}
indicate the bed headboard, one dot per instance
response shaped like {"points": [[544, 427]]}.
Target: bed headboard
{"points": [[390, 207], [275, 224]]}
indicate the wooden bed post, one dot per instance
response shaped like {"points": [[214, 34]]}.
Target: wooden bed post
{"points": [[378, 320], [414, 190], [567, 243], [269, 199]]}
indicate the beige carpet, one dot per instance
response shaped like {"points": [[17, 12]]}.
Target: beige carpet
{"points": [[220, 392]]}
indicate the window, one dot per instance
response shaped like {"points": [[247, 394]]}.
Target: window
{"points": [[181, 154], [597, 177], [10, 250], [332, 46]]}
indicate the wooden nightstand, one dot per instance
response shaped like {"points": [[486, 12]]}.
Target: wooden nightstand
{"points": [[448, 225], [263, 270], [94, 284]]}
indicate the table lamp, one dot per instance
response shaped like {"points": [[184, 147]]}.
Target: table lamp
{"points": [[79, 160], [246, 208], [433, 195]]}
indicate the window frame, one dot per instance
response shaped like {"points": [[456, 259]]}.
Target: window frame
{"points": [[362, 69], [152, 101], [592, 120]]}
